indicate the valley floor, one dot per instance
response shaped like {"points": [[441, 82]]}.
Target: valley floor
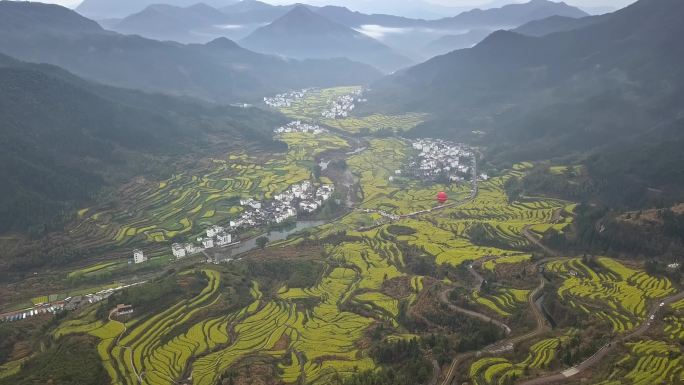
{"points": [[470, 283]]}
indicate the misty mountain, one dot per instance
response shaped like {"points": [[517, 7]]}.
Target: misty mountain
{"points": [[111, 9], [613, 86], [511, 15], [598, 10], [410, 9], [64, 139], [555, 24], [167, 19], [255, 12], [344, 16], [194, 24], [416, 39], [39, 18], [217, 72], [450, 43], [301, 33]]}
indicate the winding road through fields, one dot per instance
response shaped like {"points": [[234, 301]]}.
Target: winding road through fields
{"points": [[542, 327], [503, 345], [605, 349]]}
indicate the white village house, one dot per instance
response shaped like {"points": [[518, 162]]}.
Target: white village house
{"points": [[178, 250], [223, 239], [139, 256], [214, 231], [208, 243]]}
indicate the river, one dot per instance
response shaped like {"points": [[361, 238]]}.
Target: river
{"points": [[273, 236]]}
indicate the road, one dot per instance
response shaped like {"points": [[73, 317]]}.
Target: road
{"points": [[508, 343], [607, 348], [534, 240], [503, 345], [444, 297]]}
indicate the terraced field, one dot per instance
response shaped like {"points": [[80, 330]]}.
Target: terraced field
{"points": [[674, 322], [374, 168], [492, 264], [313, 333], [649, 362], [376, 122], [494, 371], [321, 340], [186, 203], [610, 291], [312, 105], [504, 301], [136, 353]]}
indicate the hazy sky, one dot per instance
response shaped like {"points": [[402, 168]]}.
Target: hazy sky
{"points": [[589, 3]]}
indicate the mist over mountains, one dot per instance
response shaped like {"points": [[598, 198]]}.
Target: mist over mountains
{"points": [[220, 71], [410, 37], [301, 33]]}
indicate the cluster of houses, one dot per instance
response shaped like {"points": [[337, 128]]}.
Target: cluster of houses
{"points": [[441, 158], [286, 99], [304, 197], [35, 311], [343, 105], [54, 305], [299, 126], [216, 237]]}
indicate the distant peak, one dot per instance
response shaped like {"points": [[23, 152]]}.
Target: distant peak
{"points": [[299, 7], [223, 43], [499, 38]]}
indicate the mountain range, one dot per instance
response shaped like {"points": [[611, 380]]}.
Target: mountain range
{"points": [[406, 36], [220, 71], [555, 24], [612, 88], [108, 9]]}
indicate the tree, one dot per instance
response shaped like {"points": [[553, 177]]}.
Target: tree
{"points": [[262, 242]]}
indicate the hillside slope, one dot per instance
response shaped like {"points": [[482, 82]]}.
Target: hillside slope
{"points": [[63, 140]]}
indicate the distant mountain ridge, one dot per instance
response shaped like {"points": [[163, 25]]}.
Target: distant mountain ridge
{"points": [[302, 33], [107, 9], [413, 38], [555, 24], [165, 22], [40, 18], [201, 71], [510, 15]]}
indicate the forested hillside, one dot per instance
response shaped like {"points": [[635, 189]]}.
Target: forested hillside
{"points": [[64, 139]]}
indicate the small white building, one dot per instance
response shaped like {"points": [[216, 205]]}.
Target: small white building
{"points": [[139, 256], [178, 250], [208, 243], [251, 203], [224, 239], [214, 230], [191, 249]]}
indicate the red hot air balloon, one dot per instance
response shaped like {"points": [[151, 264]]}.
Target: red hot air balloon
{"points": [[442, 197]]}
